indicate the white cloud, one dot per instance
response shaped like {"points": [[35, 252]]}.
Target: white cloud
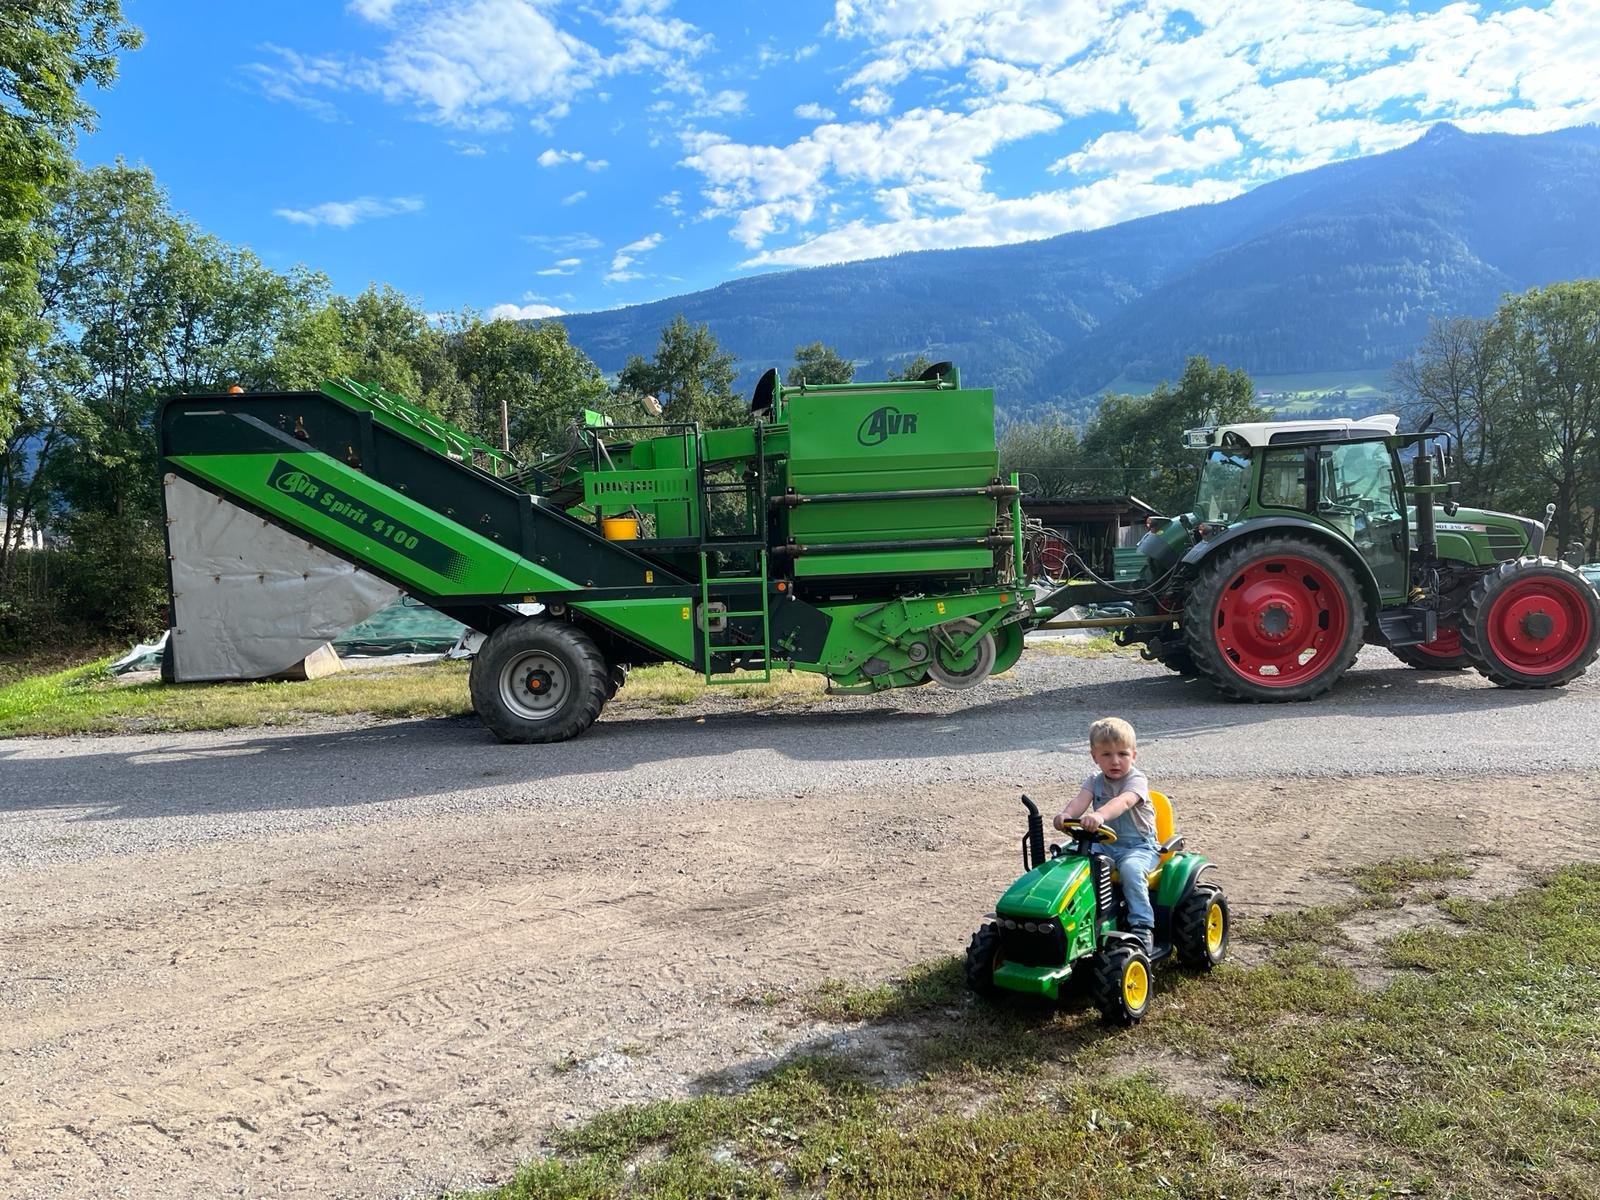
{"points": [[342, 214], [376, 11], [813, 112], [573, 198], [523, 312], [624, 258], [563, 243], [596, 164], [1153, 157], [554, 158]]}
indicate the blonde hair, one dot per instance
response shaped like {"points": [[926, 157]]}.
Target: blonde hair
{"points": [[1112, 731]]}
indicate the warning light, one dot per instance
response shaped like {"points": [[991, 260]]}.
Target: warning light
{"points": [[782, 586]]}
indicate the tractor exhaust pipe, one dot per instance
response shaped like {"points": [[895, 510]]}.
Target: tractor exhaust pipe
{"points": [[1427, 538], [1033, 843]]}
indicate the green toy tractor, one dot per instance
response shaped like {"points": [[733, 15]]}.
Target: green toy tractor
{"points": [[1064, 919]]}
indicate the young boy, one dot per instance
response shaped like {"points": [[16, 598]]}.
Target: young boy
{"points": [[1117, 796]]}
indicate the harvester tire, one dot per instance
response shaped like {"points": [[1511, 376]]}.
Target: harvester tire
{"points": [[953, 676], [616, 679], [1531, 623], [1120, 984], [538, 680], [1444, 653], [983, 956], [1200, 928], [1274, 619]]}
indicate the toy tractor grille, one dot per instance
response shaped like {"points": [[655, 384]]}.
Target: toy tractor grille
{"points": [[1033, 943], [1105, 900]]}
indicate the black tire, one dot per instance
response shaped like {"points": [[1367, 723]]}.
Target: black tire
{"points": [[1117, 969], [616, 679], [1425, 660], [983, 956], [538, 680], [1216, 597], [1498, 631], [1174, 656], [1192, 932]]}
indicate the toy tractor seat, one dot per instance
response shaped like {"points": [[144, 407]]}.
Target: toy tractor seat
{"points": [[1170, 842]]}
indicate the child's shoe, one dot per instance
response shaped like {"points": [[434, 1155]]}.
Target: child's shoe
{"points": [[1146, 936]]}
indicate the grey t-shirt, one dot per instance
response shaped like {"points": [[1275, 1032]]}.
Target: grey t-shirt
{"points": [[1142, 815]]}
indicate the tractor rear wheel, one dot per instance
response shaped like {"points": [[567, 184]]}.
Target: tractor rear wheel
{"points": [[538, 680], [1121, 984], [1200, 928], [1531, 623], [983, 956], [1444, 653], [1276, 618]]}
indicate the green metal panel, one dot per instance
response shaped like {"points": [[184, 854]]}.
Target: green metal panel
{"points": [[666, 624], [615, 490], [897, 562], [372, 524]]}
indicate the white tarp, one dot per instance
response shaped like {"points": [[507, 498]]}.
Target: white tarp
{"points": [[249, 599]]}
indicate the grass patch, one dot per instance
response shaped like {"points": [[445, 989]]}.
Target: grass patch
{"points": [[1475, 1075], [1095, 647], [667, 686], [1400, 875], [88, 699]]}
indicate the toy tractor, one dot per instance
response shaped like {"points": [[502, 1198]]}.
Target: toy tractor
{"points": [[1310, 538], [1064, 919]]}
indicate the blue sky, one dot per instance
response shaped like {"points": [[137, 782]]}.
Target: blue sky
{"points": [[529, 157]]}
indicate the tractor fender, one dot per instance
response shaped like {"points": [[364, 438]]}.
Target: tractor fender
{"points": [[1256, 526], [1179, 874]]}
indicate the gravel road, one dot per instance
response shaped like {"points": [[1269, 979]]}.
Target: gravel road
{"points": [[382, 960]]}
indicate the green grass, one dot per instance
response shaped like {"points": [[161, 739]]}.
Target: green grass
{"points": [[1475, 1074], [1094, 647]]}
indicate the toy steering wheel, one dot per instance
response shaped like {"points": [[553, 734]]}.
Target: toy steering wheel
{"points": [[1102, 836]]}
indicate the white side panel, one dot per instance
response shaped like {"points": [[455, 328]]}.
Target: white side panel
{"points": [[248, 599]]}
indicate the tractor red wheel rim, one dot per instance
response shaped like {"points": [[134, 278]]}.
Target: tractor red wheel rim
{"points": [[1281, 621], [1446, 645], [1538, 626]]}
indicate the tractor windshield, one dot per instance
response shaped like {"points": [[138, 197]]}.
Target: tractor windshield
{"points": [[1224, 486]]}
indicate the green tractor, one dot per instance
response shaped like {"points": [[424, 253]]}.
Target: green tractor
{"points": [[1064, 920], [1309, 539]]}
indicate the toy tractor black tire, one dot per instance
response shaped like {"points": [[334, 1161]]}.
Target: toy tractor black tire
{"points": [[983, 956], [1531, 623], [1201, 927], [1119, 984], [1274, 618], [538, 680]]}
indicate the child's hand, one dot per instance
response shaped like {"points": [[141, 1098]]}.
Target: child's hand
{"points": [[1061, 820], [1091, 821]]}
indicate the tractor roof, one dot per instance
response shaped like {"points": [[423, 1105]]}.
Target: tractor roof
{"points": [[1293, 433]]}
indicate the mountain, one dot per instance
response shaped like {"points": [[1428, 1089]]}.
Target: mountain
{"points": [[1336, 269]]}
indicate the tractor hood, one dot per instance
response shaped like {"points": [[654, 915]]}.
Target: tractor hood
{"points": [[1482, 536], [1045, 890]]}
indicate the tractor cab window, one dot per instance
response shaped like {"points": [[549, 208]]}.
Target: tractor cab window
{"points": [[1284, 479], [1356, 494], [1224, 485]]}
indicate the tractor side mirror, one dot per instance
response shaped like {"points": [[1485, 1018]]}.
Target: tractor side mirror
{"points": [[1452, 499]]}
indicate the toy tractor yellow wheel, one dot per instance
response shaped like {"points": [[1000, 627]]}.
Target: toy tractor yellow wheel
{"points": [[983, 956], [1121, 984], [1201, 927]]}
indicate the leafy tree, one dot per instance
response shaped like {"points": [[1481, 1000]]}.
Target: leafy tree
{"points": [[1048, 451], [49, 50], [542, 378], [817, 363], [1132, 445], [1458, 376], [914, 369], [690, 374]]}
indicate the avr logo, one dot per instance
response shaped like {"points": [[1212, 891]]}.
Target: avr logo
{"points": [[881, 424], [296, 483]]}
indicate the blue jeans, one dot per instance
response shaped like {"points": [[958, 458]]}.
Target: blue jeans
{"points": [[1134, 862]]}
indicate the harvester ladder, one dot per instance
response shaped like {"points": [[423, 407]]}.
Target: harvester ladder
{"points": [[714, 649]]}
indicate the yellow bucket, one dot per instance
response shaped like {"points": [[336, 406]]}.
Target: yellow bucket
{"points": [[620, 529]]}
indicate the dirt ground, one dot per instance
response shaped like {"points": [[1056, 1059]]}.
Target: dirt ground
{"points": [[392, 1011]]}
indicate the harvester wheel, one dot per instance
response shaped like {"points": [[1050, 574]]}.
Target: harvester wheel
{"points": [[1121, 984], [538, 680], [1200, 928], [945, 669], [1531, 623], [616, 679], [983, 956], [1444, 653], [1276, 618]]}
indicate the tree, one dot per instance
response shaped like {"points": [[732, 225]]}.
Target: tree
{"points": [[1047, 451], [1458, 376], [817, 363], [914, 369], [49, 49], [690, 374], [542, 378], [1133, 443]]}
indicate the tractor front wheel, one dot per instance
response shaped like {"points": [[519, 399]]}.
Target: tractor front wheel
{"points": [[1200, 928], [538, 680], [1531, 623], [1444, 653], [983, 956], [1275, 618], [1121, 984]]}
